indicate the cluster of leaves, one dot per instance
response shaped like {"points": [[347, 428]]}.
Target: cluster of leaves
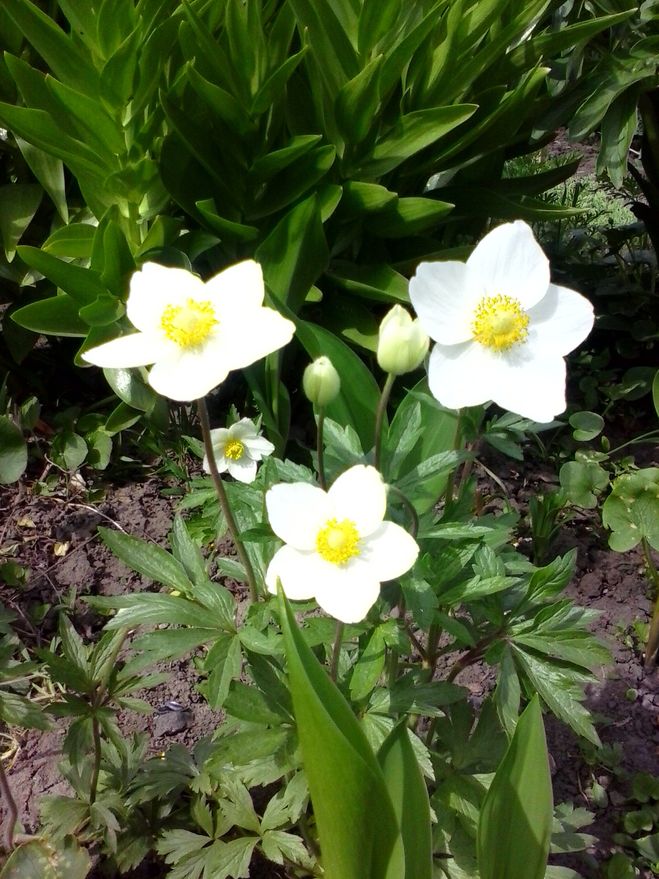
{"points": [[301, 134]]}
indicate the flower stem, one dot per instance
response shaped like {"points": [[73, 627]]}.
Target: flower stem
{"points": [[336, 650], [224, 500], [450, 479], [320, 450], [379, 417], [653, 634], [96, 768], [12, 809]]}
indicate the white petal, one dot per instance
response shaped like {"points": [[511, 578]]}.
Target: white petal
{"points": [[560, 321], [346, 592], [359, 494], [155, 287], [138, 349], [244, 469], [249, 337], [443, 300], [190, 375], [220, 462], [390, 551], [297, 512], [295, 570], [219, 437], [258, 447], [242, 429], [509, 261], [533, 387], [239, 287], [459, 375]]}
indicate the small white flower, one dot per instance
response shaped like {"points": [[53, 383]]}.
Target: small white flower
{"points": [[238, 449], [402, 343], [193, 332], [501, 328], [337, 548]]}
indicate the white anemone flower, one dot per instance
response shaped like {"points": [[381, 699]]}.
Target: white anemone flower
{"points": [[193, 332], [501, 329], [337, 548], [238, 449]]}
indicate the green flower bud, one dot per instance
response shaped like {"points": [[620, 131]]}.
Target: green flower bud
{"points": [[321, 382], [402, 344]]}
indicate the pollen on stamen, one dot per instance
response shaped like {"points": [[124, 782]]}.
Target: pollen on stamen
{"points": [[500, 322], [234, 450], [338, 542], [189, 325]]}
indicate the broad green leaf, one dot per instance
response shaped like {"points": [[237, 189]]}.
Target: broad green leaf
{"points": [[631, 511], [153, 608], [147, 559], [357, 826], [129, 386], [83, 285], [587, 425], [19, 711], [409, 796], [583, 481], [378, 282], [363, 198], [412, 133], [13, 451], [187, 552], [655, 392], [272, 163], [69, 450], [227, 230], [408, 216], [357, 103], [295, 254], [515, 823], [294, 181], [73, 241], [56, 316], [47, 859], [18, 204]]}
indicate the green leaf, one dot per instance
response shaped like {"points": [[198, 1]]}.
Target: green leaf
{"points": [[74, 241], [587, 425], [18, 204], [223, 663], [356, 821], [230, 860], [331, 46], [412, 133], [409, 796], [378, 282], [83, 285], [49, 171], [278, 845], [515, 823], [129, 386], [13, 451], [408, 216], [294, 254], [631, 511], [369, 666], [582, 481], [655, 392], [356, 105], [147, 559], [55, 316], [48, 860]]}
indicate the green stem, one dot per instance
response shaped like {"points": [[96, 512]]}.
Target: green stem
{"points": [[96, 769], [450, 479], [336, 650], [224, 500], [653, 635], [320, 450], [379, 417], [632, 442], [12, 810]]}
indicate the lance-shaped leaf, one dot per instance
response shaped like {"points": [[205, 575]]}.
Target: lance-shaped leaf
{"points": [[409, 796], [359, 836], [514, 829]]}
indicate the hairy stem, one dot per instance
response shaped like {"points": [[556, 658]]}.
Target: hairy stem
{"points": [[96, 768], [336, 650], [224, 500], [12, 810], [379, 417], [320, 449]]}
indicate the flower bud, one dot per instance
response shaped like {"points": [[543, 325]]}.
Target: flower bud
{"points": [[321, 382], [402, 344]]}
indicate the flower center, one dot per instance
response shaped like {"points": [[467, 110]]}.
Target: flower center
{"points": [[234, 450], [337, 542], [188, 325], [499, 322]]}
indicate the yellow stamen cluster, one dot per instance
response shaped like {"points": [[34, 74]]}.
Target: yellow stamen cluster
{"points": [[338, 542], [234, 450], [189, 325], [500, 322]]}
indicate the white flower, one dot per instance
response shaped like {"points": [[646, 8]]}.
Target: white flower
{"points": [[337, 548], [321, 382], [238, 449], [501, 328], [194, 332], [402, 343]]}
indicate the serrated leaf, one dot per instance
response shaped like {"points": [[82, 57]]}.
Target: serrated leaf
{"points": [[148, 559]]}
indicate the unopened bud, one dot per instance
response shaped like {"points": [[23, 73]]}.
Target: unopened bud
{"points": [[321, 382], [402, 344]]}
